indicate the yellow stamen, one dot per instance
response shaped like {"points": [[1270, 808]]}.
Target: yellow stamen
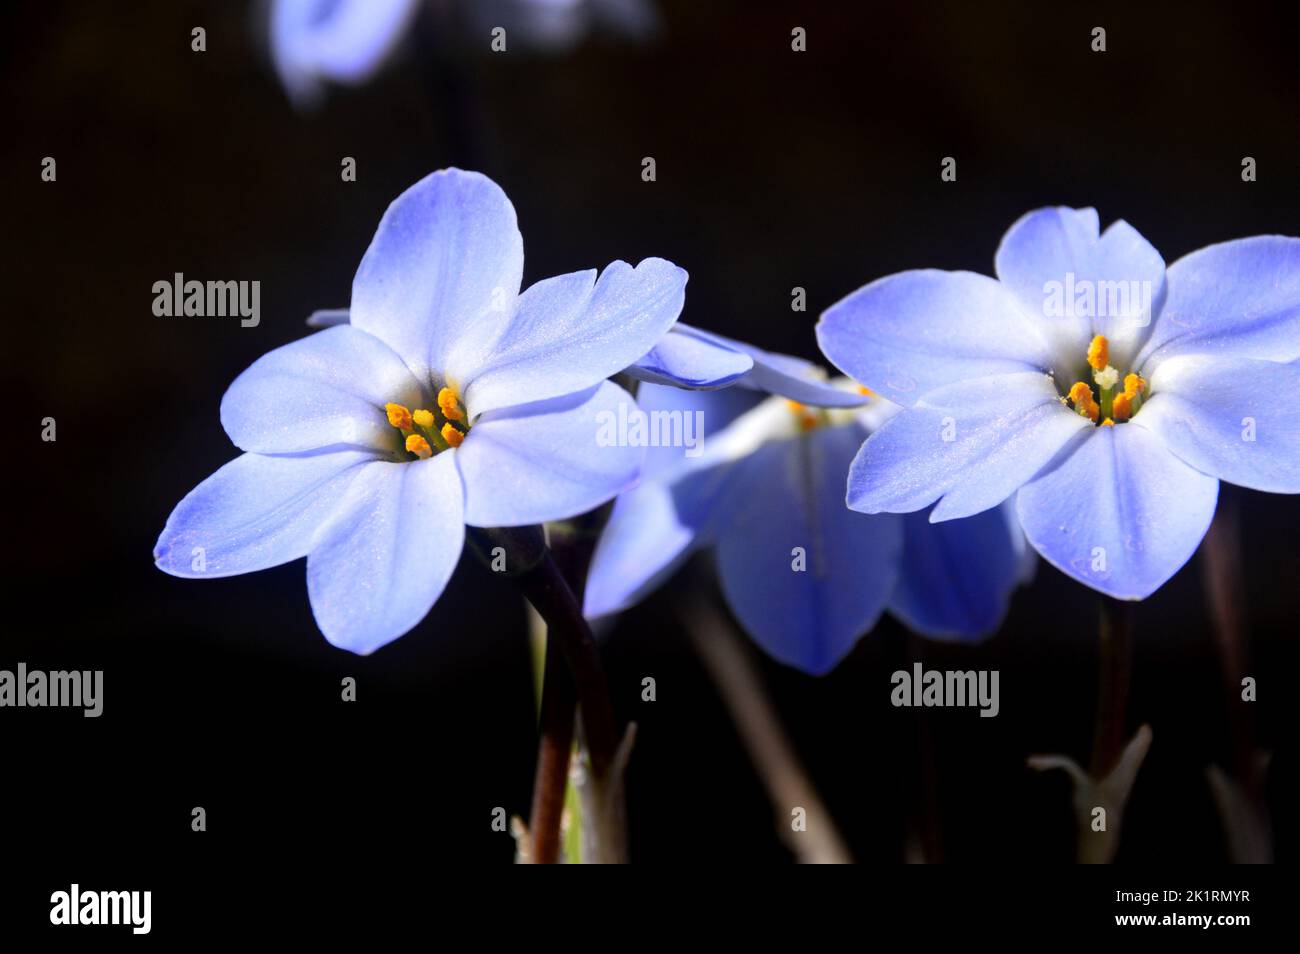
{"points": [[423, 418], [1099, 353], [1108, 423], [1083, 400], [452, 436], [1122, 407], [866, 391], [806, 416], [449, 404], [1133, 386], [398, 416], [417, 445]]}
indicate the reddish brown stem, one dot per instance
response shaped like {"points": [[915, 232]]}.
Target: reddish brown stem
{"points": [[1114, 670], [572, 676], [554, 747]]}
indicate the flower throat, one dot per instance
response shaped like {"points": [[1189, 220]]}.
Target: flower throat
{"points": [[1106, 401], [422, 437]]}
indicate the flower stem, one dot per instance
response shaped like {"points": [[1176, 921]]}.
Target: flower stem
{"points": [[1115, 665], [1116, 759], [551, 595], [1221, 561], [1241, 794], [573, 678], [554, 747], [788, 784]]}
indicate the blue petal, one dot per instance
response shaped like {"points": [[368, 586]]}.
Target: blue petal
{"points": [[710, 414], [973, 443], [657, 524], [683, 495], [782, 374], [1118, 512], [385, 558], [547, 461], [569, 332], [642, 544], [916, 331], [1237, 419], [442, 271], [1060, 248], [341, 40], [791, 496], [1235, 299], [957, 576], [255, 512], [1026, 556], [326, 389], [687, 361]]}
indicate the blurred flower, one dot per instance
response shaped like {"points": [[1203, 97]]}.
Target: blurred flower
{"points": [[339, 41], [556, 26], [805, 576], [451, 398], [315, 42], [1107, 394]]}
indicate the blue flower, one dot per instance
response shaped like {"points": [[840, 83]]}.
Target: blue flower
{"points": [[451, 398], [315, 42], [805, 577], [342, 41], [1107, 394]]}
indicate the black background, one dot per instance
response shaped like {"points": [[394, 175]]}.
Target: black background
{"points": [[775, 169]]}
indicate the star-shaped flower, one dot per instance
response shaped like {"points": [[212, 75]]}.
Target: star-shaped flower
{"points": [[451, 398], [1107, 394]]}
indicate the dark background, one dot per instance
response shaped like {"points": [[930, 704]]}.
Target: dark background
{"points": [[775, 169]]}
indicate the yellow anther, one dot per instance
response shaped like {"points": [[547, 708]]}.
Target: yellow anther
{"points": [[1134, 385], [866, 391], [398, 416], [1122, 407], [1083, 400], [452, 436], [805, 415], [1108, 423], [449, 404], [417, 445], [423, 418], [1099, 353]]}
